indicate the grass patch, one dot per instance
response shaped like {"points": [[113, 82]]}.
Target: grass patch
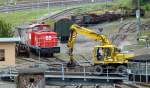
{"points": [[13, 2], [2, 2], [145, 33], [20, 17], [123, 3], [133, 47], [5, 29], [147, 6]]}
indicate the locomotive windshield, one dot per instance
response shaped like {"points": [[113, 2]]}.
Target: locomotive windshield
{"points": [[40, 28]]}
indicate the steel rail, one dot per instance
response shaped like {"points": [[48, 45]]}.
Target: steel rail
{"points": [[9, 8]]}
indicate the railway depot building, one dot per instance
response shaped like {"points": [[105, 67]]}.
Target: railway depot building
{"points": [[7, 51]]}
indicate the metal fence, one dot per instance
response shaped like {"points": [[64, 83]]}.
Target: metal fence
{"points": [[139, 72]]}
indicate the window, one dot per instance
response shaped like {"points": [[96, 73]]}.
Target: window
{"points": [[2, 55]]}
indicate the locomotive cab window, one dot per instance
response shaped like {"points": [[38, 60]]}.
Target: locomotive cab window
{"points": [[2, 55], [45, 29]]}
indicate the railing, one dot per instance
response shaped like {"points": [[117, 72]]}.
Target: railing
{"points": [[85, 72], [140, 69], [60, 69]]}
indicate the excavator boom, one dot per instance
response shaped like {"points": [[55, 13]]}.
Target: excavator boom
{"points": [[75, 29]]}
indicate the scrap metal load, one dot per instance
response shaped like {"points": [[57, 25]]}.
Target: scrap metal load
{"points": [[38, 38], [94, 18], [132, 12], [103, 15]]}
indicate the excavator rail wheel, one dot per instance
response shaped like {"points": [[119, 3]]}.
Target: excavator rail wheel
{"points": [[98, 70]]}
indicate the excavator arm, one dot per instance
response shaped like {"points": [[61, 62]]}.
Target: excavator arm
{"points": [[72, 38], [75, 29]]}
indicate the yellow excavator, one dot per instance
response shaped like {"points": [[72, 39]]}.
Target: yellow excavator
{"points": [[105, 55]]}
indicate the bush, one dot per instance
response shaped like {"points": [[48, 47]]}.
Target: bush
{"points": [[5, 29], [147, 7]]}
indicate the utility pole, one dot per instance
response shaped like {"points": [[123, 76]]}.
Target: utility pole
{"points": [[32, 5], [48, 6], [138, 21], [92, 1], [37, 9], [106, 4]]}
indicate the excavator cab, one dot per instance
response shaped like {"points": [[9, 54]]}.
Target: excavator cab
{"points": [[102, 53]]}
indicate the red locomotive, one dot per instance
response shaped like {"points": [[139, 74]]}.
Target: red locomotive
{"points": [[39, 38]]}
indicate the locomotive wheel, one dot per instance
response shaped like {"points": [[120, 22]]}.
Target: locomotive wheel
{"points": [[121, 69], [98, 70], [51, 55], [27, 54]]}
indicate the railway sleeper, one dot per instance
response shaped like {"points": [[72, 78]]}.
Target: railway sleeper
{"points": [[124, 85], [143, 84]]}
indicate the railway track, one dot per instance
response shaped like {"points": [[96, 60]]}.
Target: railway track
{"points": [[33, 5], [125, 30], [144, 84], [124, 85], [12, 85], [7, 85], [87, 86], [58, 15], [47, 60], [43, 4]]}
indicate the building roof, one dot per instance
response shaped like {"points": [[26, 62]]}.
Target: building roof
{"points": [[28, 26], [25, 26], [17, 39], [32, 70]]}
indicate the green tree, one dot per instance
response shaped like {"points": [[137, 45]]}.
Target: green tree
{"points": [[5, 29], [142, 2]]}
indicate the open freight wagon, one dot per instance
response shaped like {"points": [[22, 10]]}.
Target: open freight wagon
{"points": [[38, 38]]}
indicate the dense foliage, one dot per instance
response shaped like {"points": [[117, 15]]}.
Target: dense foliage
{"points": [[146, 4], [143, 2], [5, 29]]}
